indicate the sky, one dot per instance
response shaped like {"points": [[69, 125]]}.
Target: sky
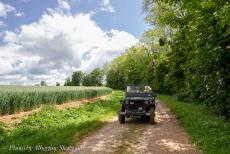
{"points": [[48, 40]]}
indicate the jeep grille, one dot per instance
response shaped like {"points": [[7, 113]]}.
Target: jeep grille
{"points": [[135, 105]]}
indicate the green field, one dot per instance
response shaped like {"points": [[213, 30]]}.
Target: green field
{"points": [[22, 98], [53, 127]]}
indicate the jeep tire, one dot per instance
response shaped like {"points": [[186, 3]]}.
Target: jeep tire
{"points": [[152, 116], [121, 117]]}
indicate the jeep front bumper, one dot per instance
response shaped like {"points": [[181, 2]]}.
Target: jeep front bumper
{"points": [[135, 113]]}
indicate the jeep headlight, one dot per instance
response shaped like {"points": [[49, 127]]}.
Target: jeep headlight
{"points": [[126, 102]]}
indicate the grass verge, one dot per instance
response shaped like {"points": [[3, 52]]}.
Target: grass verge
{"points": [[51, 130], [208, 131]]}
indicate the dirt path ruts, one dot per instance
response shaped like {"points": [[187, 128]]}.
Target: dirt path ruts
{"points": [[164, 137]]}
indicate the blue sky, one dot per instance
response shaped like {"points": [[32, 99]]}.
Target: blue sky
{"points": [[127, 14], [48, 40]]}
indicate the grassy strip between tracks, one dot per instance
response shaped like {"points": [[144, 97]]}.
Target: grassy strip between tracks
{"points": [[208, 131], [52, 130]]}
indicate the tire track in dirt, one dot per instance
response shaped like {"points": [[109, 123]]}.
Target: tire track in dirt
{"points": [[164, 137]]}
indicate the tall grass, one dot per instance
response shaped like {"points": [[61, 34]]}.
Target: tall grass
{"points": [[22, 98], [210, 132]]}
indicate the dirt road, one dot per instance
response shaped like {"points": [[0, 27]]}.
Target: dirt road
{"points": [[164, 137]]}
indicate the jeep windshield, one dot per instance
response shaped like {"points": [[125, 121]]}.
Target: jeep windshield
{"points": [[138, 89]]}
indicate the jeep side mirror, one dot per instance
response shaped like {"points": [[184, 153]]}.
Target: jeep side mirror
{"points": [[121, 101], [155, 95]]}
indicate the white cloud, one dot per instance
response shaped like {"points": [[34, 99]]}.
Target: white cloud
{"points": [[106, 6], [2, 24], [10, 37], [19, 14], [5, 9], [63, 5], [56, 45]]}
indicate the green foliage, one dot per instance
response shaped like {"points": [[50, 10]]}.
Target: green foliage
{"points": [[130, 68], [198, 36], [1, 128], [94, 78], [19, 98], [77, 78], [135, 67], [162, 83], [115, 79], [190, 42], [209, 132], [43, 83], [68, 82], [58, 84], [52, 127]]}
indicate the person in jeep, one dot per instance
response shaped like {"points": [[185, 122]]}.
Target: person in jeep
{"points": [[139, 101]]}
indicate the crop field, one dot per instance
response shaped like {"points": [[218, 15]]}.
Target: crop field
{"points": [[53, 127], [23, 98]]}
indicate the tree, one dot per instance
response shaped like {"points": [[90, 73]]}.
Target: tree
{"points": [[198, 62], [57, 83], [77, 78], [43, 83], [87, 80], [115, 79], [133, 67], [94, 78], [97, 76], [68, 82]]}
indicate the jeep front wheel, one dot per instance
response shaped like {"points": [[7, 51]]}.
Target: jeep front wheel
{"points": [[121, 118], [152, 116]]}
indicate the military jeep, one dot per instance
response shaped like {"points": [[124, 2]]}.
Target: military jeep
{"points": [[140, 102]]}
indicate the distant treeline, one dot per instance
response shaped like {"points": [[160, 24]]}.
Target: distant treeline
{"points": [[95, 78]]}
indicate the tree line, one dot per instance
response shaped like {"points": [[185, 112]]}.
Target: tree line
{"points": [[186, 53], [190, 43], [78, 78]]}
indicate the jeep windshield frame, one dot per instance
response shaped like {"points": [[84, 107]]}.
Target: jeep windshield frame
{"points": [[138, 91]]}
